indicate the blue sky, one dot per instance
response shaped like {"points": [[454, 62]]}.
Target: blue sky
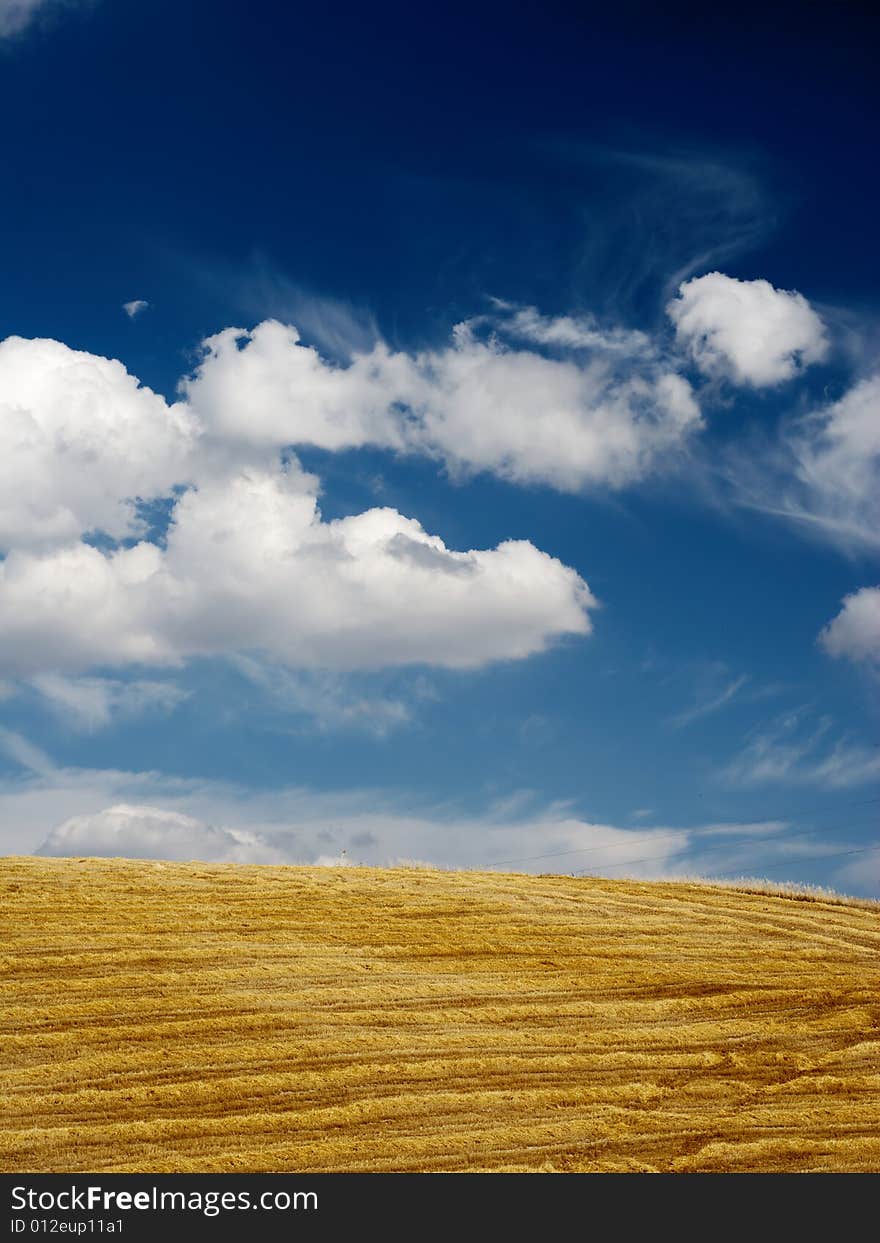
{"points": [[489, 467]]}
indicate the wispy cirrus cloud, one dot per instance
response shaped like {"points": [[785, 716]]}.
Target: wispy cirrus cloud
{"points": [[791, 750], [711, 703], [259, 289], [820, 472], [17, 15], [861, 875], [328, 702], [568, 332], [89, 704], [26, 754], [655, 217]]}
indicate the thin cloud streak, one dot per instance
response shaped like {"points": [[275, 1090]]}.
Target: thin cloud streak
{"points": [[707, 707], [788, 752]]}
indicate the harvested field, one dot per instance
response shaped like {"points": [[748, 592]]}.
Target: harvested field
{"points": [[193, 1017]]}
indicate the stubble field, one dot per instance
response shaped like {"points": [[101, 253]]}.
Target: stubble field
{"points": [[192, 1017]]}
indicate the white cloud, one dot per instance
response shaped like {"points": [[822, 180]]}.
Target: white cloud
{"points": [[746, 331], [774, 860], [260, 290], [251, 566], [134, 308], [789, 751], [478, 404], [861, 875], [79, 439], [150, 815], [846, 764], [576, 332], [24, 753], [532, 419], [15, 15], [80, 811], [362, 828], [76, 608], [747, 829], [822, 472], [144, 832], [329, 701], [836, 466], [712, 703], [226, 824], [267, 388], [91, 704], [855, 631]]}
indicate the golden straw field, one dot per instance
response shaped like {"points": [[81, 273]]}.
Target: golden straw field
{"points": [[194, 1017]]}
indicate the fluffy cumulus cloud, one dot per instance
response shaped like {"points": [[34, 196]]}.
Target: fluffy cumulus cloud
{"points": [[607, 411], [747, 331], [267, 388], [250, 565], [534, 419], [144, 832], [855, 631], [80, 441]]}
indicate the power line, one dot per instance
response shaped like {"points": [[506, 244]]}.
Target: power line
{"points": [[583, 850], [838, 854]]}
